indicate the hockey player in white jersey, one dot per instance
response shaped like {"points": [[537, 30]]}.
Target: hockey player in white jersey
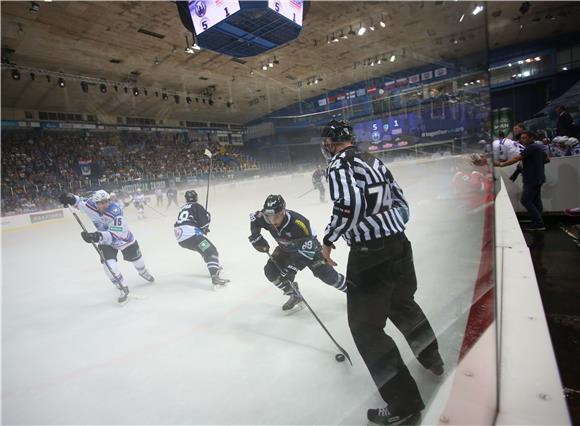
{"points": [[504, 149], [112, 235], [139, 203]]}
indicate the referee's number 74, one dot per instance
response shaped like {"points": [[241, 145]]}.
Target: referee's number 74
{"points": [[383, 198]]}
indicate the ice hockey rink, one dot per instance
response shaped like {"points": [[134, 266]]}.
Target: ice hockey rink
{"points": [[185, 354]]}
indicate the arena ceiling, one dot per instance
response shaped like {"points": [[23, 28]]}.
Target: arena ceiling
{"points": [[103, 40]]}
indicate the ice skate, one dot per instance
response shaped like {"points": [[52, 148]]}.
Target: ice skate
{"points": [[123, 298], [217, 281], [147, 276], [383, 417]]}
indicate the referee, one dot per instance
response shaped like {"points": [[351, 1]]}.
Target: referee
{"points": [[370, 213]]}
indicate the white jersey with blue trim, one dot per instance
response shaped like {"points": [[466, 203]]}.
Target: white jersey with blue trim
{"points": [[111, 224], [505, 149]]}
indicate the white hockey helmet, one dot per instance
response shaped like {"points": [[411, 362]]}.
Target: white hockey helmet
{"points": [[560, 140], [100, 195], [571, 142]]}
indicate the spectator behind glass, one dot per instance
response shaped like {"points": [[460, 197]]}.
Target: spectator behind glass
{"points": [[518, 129], [565, 125]]}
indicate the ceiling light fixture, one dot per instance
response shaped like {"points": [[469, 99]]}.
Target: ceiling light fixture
{"points": [[264, 67], [61, 83], [462, 16], [477, 9], [361, 30], [15, 74], [103, 88], [382, 22], [164, 96], [371, 27], [135, 91], [34, 7], [537, 59], [343, 35], [334, 39], [393, 58], [188, 100]]}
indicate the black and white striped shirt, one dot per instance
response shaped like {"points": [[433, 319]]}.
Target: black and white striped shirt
{"points": [[368, 203]]}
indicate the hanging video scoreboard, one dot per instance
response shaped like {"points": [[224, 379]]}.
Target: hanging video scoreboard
{"points": [[290, 9], [241, 28], [207, 13]]}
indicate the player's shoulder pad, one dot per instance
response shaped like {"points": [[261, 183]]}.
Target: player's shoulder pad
{"points": [[115, 210], [300, 221], [256, 215]]}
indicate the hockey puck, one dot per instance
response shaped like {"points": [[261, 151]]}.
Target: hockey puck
{"points": [[339, 357]]}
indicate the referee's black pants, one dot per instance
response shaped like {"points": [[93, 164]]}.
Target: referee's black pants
{"points": [[381, 285]]}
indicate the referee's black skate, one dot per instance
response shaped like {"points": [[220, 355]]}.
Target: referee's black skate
{"points": [[124, 294], [383, 417]]}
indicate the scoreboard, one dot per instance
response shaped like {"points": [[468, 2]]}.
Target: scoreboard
{"points": [[291, 9], [243, 28], [207, 13]]}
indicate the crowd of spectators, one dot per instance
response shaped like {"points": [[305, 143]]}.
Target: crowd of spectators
{"points": [[37, 166]]}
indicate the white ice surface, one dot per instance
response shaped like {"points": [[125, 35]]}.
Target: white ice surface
{"points": [[189, 355]]}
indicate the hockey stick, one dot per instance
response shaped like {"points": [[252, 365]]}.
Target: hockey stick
{"points": [[103, 260], [208, 154], [297, 292], [307, 192], [155, 210]]}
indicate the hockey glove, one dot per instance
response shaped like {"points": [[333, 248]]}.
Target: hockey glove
{"points": [[67, 199], [91, 237], [259, 243]]}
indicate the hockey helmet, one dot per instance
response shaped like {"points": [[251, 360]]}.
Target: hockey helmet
{"points": [[191, 196], [274, 204], [100, 196], [337, 132]]}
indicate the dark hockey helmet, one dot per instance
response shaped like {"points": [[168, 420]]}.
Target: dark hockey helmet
{"points": [[274, 204], [191, 196], [335, 132]]}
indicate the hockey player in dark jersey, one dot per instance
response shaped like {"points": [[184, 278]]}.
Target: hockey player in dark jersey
{"points": [[317, 177], [191, 228], [297, 248], [171, 196]]}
